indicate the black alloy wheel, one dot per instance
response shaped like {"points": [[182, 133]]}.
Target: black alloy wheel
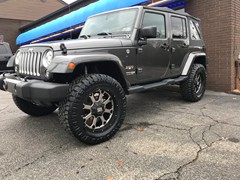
{"points": [[94, 109], [193, 88]]}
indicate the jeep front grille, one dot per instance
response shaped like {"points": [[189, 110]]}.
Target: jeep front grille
{"points": [[30, 63]]}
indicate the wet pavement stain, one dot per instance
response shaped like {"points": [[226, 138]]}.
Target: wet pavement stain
{"points": [[127, 128], [235, 140], [145, 124]]}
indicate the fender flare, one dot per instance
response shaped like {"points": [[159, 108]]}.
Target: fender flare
{"points": [[190, 60], [60, 63]]}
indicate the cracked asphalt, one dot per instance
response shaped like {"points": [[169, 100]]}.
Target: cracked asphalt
{"points": [[163, 137]]}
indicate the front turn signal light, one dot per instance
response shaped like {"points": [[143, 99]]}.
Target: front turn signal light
{"points": [[71, 65]]}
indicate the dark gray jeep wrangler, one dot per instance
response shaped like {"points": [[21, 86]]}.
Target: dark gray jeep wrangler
{"points": [[119, 52]]}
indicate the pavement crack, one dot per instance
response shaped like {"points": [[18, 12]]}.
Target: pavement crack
{"points": [[44, 154], [217, 121], [170, 127], [177, 173], [209, 130], [166, 110], [130, 126], [148, 125], [179, 170], [30, 163]]}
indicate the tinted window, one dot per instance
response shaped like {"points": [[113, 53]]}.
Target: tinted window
{"points": [[194, 29], [179, 30], [3, 49], [158, 20]]}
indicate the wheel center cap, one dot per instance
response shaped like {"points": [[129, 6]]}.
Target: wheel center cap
{"points": [[97, 109]]}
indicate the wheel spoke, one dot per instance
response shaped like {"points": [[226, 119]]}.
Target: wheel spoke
{"points": [[103, 120], [98, 109], [107, 101], [108, 111], [93, 126], [92, 98], [198, 83], [87, 116], [100, 98], [87, 107]]}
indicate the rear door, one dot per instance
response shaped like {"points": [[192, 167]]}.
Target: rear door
{"points": [[179, 43]]}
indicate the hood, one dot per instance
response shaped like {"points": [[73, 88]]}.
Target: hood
{"points": [[83, 43]]}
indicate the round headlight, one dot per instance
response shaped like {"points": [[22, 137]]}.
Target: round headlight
{"points": [[47, 58], [18, 57]]}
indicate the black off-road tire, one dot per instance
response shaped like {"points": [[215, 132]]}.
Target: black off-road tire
{"points": [[32, 109], [188, 88], [71, 110]]}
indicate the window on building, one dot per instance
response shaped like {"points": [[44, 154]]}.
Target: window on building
{"points": [[179, 30], [194, 30], [3, 49], [158, 20]]}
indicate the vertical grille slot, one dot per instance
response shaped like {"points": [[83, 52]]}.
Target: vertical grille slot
{"points": [[38, 63], [30, 63]]}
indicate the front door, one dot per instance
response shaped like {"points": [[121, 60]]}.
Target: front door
{"points": [[153, 58]]}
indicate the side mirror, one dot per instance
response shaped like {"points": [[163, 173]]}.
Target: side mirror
{"points": [[148, 32]]}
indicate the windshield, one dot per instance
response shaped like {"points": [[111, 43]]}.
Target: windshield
{"points": [[118, 22]]}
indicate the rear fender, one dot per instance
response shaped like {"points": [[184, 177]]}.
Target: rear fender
{"points": [[191, 59]]}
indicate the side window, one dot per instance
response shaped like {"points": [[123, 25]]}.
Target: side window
{"points": [[194, 30], [179, 30], [3, 49], [158, 20]]}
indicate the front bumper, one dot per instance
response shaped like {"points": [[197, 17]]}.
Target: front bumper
{"points": [[33, 90]]}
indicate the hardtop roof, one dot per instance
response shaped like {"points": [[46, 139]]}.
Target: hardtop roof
{"points": [[168, 10], [163, 9]]}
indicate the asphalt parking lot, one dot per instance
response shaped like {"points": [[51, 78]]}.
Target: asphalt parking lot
{"points": [[163, 137]]}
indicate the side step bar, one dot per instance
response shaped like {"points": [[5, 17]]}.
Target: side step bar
{"points": [[140, 88]]}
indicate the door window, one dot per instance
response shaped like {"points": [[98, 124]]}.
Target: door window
{"points": [[158, 20], [179, 30]]}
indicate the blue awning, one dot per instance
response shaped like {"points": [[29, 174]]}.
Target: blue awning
{"points": [[74, 18]]}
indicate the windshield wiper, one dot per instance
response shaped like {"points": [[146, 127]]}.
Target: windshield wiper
{"points": [[85, 36], [104, 33]]}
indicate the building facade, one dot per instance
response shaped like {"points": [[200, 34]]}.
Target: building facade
{"points": [[18, 13], [221, 28]]}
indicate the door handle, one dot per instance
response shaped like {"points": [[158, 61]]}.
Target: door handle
{"points": [[184, 45], [165, 46]]}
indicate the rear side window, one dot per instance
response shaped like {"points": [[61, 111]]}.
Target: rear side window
{"points": [[158, 20], [3, 49], [179, 28], [194, 30]]}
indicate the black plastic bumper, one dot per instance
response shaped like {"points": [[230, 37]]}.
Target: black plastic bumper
{"points": [[33, 90]]}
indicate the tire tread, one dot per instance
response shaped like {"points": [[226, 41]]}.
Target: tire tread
{"points": [[77, 87]]}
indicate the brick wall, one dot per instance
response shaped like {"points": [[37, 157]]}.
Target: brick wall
{"points": [[9, 28], [28, 9], [236, 30], [17, 13], [218, 23]]}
